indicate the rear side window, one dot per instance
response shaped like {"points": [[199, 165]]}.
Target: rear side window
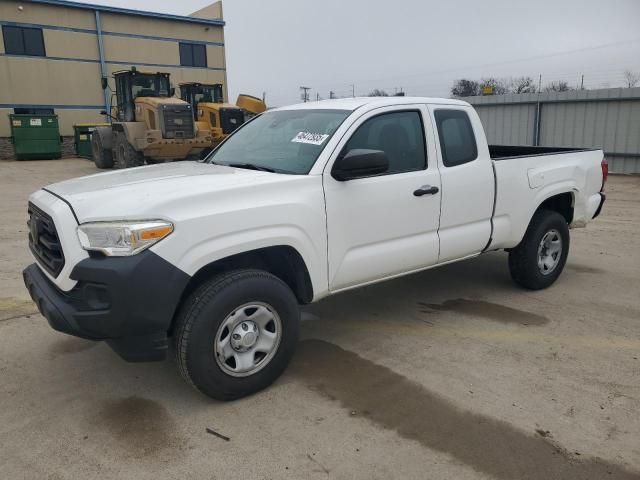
{"points": [[398, 134], [457, 141]]}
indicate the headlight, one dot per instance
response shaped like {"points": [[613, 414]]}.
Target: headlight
{"points": [[121, 239]]}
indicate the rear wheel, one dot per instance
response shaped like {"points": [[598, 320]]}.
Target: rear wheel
{"points": [[236, 334], [102, 156], [541, 255], [125, 156]]}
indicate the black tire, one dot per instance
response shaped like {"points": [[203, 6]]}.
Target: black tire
{"points": [[200, 321], [102, 156], [523, 259], [124, 155]]}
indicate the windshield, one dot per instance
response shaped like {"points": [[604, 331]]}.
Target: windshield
{"points": [[150, 86], [205, 95], [286, 141]]}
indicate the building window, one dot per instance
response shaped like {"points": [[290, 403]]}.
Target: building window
{"points": [[23, 41], [193, 55]]}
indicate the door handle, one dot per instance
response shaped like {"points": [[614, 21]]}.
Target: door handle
{"points": [[426, 190]]}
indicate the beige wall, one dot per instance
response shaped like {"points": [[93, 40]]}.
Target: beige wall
{"points": [[66, 44], [41, 81], [112, 22], [46, 14], [211, 11], [45, 81], [132, 50]]}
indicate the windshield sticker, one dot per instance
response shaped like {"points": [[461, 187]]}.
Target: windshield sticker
{"points": [[311, 138]]}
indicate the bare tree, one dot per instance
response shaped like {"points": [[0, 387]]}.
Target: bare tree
{"points": [[376, 92], [558, 86], [465, 88], [632, 78], [523, 85], [497, 85]]}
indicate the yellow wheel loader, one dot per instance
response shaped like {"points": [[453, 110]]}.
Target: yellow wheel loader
{"points": [[148, 124], [211, 113]]}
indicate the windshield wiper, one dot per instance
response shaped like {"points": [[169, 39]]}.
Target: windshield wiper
{"points": [[250, 166]]}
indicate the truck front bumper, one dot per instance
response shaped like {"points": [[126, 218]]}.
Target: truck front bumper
{"points": [[128, 301]]}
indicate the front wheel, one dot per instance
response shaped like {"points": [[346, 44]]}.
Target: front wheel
{"points": [[541, 255], [236, 333], [102, 156], [124, 155]]}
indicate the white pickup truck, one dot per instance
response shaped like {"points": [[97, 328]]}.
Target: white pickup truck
{"points": [[215, 257]]}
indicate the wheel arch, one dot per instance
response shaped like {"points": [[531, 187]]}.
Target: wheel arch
{"points": [[563, 203], [283, 261]]}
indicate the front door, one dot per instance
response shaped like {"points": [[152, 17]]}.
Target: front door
{"points": [[384, 225]]}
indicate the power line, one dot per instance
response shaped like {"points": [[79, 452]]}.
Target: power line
{"points": [[493, 64]]}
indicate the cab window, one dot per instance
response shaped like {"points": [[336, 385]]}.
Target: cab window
{"points": [[457, 140], [398, 134]]}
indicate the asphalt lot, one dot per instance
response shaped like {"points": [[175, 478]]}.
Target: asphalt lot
{"points": [[454, 373]]}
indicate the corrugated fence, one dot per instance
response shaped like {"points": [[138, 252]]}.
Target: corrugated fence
{"points": [[607, 119]]}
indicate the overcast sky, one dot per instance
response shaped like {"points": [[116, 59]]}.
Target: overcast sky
{"points": [[420, 46]]}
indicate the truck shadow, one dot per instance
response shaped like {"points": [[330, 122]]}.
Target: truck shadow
{"points": [[392, 401], [425, 296]]}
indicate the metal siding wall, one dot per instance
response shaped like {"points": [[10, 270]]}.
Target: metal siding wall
{"points": [[508, 124], [607, 119]]}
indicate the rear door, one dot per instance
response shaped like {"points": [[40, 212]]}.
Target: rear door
{"points": [[468, 184], [377, 226]]}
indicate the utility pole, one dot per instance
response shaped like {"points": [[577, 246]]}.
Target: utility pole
{"points": [[332, 95], [317, 96], [353, 90], [264, 97], [540, 83], [305, 93], [582, 82]]}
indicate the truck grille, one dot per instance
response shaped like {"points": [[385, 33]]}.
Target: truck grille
{"points": [[177, 121], [44, 242], [230, 119]]}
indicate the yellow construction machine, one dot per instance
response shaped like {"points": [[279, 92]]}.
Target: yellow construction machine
{"points": [[148, 124], [211, 113]]}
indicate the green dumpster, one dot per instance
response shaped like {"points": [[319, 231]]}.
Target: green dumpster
{"points": [[35, 136], [82, 137]]}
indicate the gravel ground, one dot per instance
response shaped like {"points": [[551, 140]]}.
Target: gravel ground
{"points": [[453, 373]]}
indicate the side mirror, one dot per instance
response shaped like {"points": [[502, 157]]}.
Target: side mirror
{"points": [[360, 163]]}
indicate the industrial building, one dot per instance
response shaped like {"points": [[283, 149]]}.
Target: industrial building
{"points": [[55, 53]]}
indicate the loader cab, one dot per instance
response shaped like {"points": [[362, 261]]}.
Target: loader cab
{"points": [[195, 93], [131, 84], [208, 106]]}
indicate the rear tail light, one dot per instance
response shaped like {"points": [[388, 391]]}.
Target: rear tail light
{"points": [[605, 172]]}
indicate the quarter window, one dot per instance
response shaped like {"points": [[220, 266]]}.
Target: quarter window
{"points": [[23, 41], [193, 55], [398, 134], [457, 141]]}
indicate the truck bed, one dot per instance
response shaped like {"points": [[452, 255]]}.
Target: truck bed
{"points": [[503, 152]]}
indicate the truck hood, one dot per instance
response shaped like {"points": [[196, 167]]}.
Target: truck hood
{"points": [[154, 191]]}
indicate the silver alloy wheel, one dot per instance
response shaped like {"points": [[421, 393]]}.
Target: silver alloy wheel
{"points": [[549, 251], [247, 339]]}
